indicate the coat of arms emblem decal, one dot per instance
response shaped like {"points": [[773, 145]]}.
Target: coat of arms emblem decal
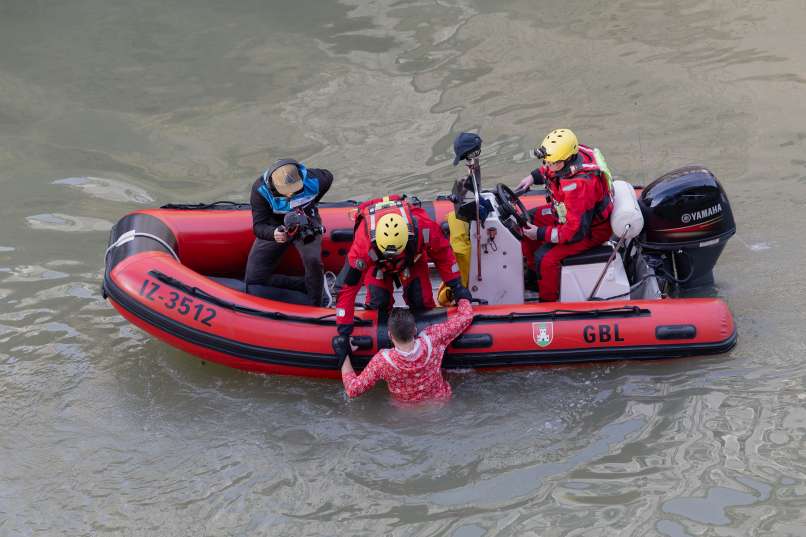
{"points": [[543, 333]]}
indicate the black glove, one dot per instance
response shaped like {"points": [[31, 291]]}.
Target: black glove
{"points": [[458, 290], [537, 177], [461, 292], [341, 348]]}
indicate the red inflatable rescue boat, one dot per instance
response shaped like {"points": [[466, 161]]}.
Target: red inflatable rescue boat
{"points": [[176, 273]]}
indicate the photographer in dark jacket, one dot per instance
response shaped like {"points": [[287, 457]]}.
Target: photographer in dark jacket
{"points": [[284, 212]]}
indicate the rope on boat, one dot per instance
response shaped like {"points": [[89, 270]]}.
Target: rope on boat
{"points": [[206, 206], [133, 234]]}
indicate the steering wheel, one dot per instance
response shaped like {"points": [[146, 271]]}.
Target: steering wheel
{"points": [[513, 213]]}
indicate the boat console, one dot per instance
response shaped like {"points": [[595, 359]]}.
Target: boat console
{"points": [[496, 260]]}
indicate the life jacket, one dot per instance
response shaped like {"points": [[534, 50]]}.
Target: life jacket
{"points": [[370, 212], [590, 162], [280, 204]]}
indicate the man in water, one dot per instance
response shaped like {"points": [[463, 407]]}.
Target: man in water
{"points": [[413, 368]]}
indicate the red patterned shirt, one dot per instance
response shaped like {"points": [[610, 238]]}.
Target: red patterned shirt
{"points": [[417, 374]]}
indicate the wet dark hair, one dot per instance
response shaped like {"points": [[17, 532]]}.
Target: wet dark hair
{"points": [[401, 324]]}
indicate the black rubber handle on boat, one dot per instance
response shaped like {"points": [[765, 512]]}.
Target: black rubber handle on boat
{"points": [[362, 342], [675, 331], [473, 341], [342, 235]]}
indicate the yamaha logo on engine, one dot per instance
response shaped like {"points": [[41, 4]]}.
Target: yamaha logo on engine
{"points": [[700, 215]]}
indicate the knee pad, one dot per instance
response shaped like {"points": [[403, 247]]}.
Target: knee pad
{"points": [[348, 275], [379, 298]]}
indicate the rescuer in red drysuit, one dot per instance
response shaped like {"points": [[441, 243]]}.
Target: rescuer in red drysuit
{"points": [[577, 217], [392, 245]]}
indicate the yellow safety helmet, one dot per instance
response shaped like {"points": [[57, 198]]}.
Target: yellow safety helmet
{"points": [[559, 144], [391, 234]]}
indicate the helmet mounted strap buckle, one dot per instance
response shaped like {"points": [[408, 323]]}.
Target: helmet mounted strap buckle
{"points": [[539, 152]]}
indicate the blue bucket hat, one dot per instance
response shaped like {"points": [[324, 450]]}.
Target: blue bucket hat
{"points": [[463, 144]]}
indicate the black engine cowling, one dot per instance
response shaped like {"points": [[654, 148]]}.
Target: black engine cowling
{"points": [[687, 222]]}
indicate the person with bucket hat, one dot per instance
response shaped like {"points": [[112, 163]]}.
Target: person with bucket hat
{"points": [[284, 212]]}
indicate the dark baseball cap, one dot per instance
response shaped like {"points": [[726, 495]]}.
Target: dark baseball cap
{"points": [[463, 144]]}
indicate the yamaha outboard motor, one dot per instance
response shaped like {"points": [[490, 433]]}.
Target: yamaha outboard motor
{"points": [[688, 221]]}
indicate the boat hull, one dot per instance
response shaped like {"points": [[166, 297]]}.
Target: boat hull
{"points": [[159, 278]]}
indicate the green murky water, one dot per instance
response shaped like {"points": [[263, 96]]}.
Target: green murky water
{"points": [[109, 106]]}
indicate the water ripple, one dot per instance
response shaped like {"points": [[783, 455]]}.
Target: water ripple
{"points": [[107, 189], [65, 222]]}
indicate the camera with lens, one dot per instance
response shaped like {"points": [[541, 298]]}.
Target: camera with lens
{"points": [[300, 227]]}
